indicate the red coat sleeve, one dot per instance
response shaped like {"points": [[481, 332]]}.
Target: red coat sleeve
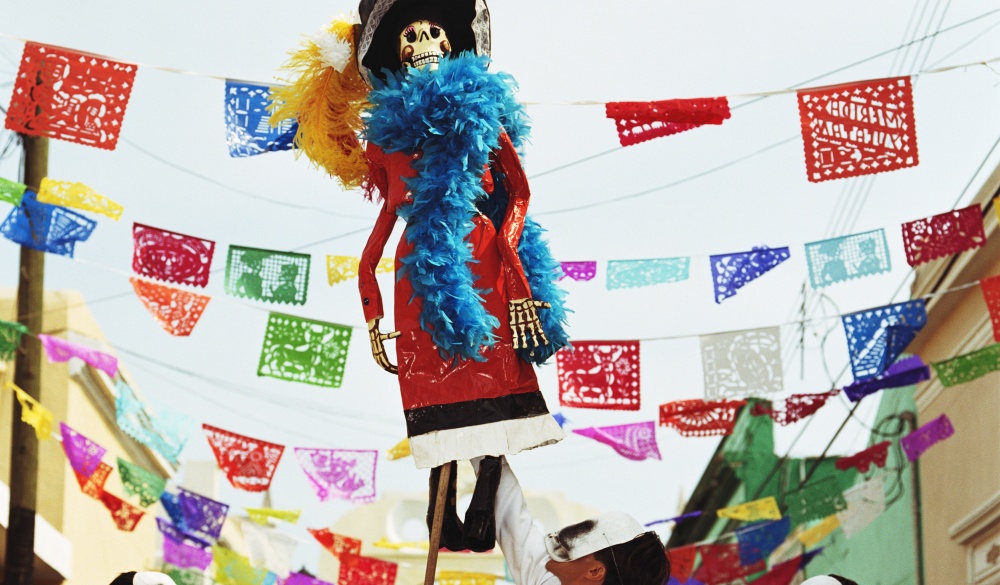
{"points": [[371, 297], [513, 223]]}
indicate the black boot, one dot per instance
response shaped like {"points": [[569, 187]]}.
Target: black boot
{"points": [[451, 531], [480, 519]]}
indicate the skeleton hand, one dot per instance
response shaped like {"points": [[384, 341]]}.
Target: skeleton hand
{"points": [[524, 324], [377, 340]]}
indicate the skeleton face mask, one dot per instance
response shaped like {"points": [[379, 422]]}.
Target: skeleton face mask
{"points": [[423, 43]]}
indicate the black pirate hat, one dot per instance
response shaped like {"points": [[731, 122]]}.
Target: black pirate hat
{"points": [[466, 22]]}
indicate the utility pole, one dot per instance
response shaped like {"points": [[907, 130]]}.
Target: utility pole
{"points": [[20, 552]]}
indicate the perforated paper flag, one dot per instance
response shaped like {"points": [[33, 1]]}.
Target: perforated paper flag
{"points": [[10, 339], [720, 563], [796, 407], [635, 441], [343, 474], [77, 196], [176, 310], [182, 576], [84, 455], [763, 509], [341, 268], [400, 450], [818, 499], [170, 256], [202, 516], [758, 540], [337, 544], [782, 573], [905, 372], [163, 430], [170, 528], [682, 561], [125, 515], [579, 271], [968, 367], [46, 228], [858, 128], [815, 534], [93, 486], [465, 578], [301, 579], [943, 235], [991, 294], [701, 418], [302, 350], [864, 503], [359, 570], [249, 463], [11, 191], [248, 122], [60, 93], [639, 273], [60, 350], [185, 555], [742, 363], [731, 272], [140, 482], [839, 259], [267, 275], [641, 121], [863, 460], [268, 548], [232, 568], [876, 337], [264, 515], [919, 441], [600, 375], [33, 413]]}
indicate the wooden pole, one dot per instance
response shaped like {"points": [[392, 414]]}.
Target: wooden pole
{"points": [[436, 524], [20, 551]]}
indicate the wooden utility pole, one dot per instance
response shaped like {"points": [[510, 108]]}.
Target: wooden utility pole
{"points": [[20, 552]]}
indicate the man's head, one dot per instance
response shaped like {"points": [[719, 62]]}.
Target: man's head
{"points": [[612, 549], [142, 578]]}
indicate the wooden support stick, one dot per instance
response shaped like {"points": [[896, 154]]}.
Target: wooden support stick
{"points": [[437, 523]]}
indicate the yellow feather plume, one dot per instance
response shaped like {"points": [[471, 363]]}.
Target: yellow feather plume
{"points": [[327, 104]]}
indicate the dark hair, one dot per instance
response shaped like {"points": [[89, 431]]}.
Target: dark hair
{"points": [[844, 580], [124, 578], [640, 561]]}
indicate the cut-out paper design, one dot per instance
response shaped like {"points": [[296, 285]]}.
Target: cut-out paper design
{"points": [[341, 268], [731, 272], [638, 273], [84, 455], [78, 97], [876, 337], [140, 482], [249, 463], [60, 350], [561, 419], [300, 579], [47, 228], [33, 413], [599, 375], [172, 504], [232, 568], [991, 294], [203, 516], [401, 450], [863, 460], [11, 192], [359, 570], [919, 441], [682, 561], [10, 339], [176, 310], [758, 540], [742, 363], [171, 529], [170, 256], [641, 121], [701, 418], [267, 275], [815, 501], [858, 128], [77, 196], [267, 547], [182, 576], [905, 372], [944, 234], [814, 535], [184, 554], [579, 271], [248, 122], [465, 578], [720, 563], [419, 545], [343, 474], [125, 515], [796, 408], [303, 350], [164, 431], [763, 509], [337, 544], [781, 574], [93, 486], [635, 441], [865, 502], [263, 516], [968, 367], [839, 259]]}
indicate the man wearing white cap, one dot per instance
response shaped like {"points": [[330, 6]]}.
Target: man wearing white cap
{"points": [[142, 578], [612, 549], [829, 580]]}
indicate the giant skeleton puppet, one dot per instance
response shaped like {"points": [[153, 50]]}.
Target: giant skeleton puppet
{"points": [[476, 303]]}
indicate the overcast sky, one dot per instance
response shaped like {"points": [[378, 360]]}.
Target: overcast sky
{"points": [[172, 170]]}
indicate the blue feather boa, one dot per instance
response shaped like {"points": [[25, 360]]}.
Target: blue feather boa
{"points": [[455, 116]]}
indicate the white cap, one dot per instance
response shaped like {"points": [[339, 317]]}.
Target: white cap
{"points": [[821, 580], [151, 578], [580, 540]]}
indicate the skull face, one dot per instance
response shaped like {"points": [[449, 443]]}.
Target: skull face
{"points": [[423, 43]]}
